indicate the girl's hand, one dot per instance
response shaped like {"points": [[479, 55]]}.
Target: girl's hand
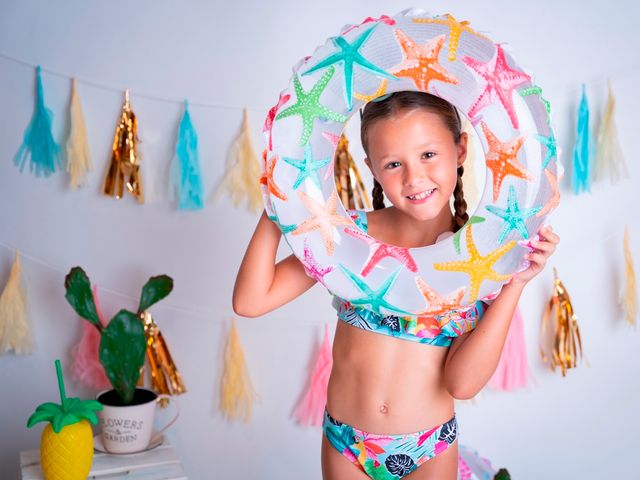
{"points": [[543, 249]]}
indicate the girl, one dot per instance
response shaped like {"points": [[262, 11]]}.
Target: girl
{"points": [[383, 386]]}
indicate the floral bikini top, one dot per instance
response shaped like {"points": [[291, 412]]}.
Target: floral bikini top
{"points": [[438, 330]]}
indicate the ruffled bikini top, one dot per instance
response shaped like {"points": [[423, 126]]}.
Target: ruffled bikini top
{"points": [[438, 330]]}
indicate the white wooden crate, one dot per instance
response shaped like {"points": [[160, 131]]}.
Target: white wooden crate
{"points": [[157, 464]]}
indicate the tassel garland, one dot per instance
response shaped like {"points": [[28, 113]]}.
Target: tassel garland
{"points": [[348, 181], [565, 341], [38, 145], [310, 410], [242, 178], [236, 390], [513, 369], [186, 181], [581, 180], [14, 323], [630, 297], [78, 157], [609, 158]]}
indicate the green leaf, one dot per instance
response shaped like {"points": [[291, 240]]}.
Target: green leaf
{"points": [[155, 290], [122, 349], [80, 297]]}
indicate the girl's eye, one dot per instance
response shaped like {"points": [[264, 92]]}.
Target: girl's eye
{"points": [[427, 155], [391, 165]]}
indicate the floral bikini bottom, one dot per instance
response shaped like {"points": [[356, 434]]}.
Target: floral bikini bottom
{"points": [[388, 457]]}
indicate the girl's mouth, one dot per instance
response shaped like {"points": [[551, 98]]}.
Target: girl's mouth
{"points": [[421, 196]]}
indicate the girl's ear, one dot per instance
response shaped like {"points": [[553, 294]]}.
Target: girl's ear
{"points": [[462, 148], [368, 163]]}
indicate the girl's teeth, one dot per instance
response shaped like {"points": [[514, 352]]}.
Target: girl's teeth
{"points": [[421, 196]]}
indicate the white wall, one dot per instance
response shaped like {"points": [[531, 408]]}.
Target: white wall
{"points": [[240, 54]]}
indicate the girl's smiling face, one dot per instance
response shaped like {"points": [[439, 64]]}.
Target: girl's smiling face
{"points": [[414, 157]]}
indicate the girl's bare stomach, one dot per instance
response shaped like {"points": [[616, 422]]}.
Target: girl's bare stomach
{"points": [[381, 384]]}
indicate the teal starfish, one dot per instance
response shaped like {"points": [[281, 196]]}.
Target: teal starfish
{"points": [[308, 106], [373, 298], [308, 167], [285, 228], [456, 236], [348, 55], [552, 148], [514, 218]]}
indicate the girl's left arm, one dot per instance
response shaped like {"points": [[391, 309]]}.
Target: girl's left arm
{"points": [[473, 356]]}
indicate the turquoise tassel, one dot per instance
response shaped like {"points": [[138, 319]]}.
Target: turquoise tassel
{"points": [[185, 168], [38, 143], [581, 180]]}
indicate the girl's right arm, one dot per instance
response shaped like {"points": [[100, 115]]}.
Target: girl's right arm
{"points": [[262, 285]]}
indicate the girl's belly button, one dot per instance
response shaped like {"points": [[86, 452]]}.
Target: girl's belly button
{"points": [[384, 408]]}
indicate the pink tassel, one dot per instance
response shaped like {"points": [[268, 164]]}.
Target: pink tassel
{"points": [[310, 410], [86, 367], [513, 370]]}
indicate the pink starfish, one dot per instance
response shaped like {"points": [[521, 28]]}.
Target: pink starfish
{"points": [[324, 218], [271, 115], [334, 139], [554, 201], [312, 267], [380, 250], [501, 81], [384, 19]]}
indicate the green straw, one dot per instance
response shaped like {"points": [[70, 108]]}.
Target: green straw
{"points": [[63, 396]]}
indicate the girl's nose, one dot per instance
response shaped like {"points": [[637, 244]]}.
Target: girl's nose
{"points": [[413, 175]]}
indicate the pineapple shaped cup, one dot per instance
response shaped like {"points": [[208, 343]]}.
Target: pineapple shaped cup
{"points": [[66, 448]]}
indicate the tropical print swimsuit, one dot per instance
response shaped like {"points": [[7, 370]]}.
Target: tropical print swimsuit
{"points": [[391, 457]]}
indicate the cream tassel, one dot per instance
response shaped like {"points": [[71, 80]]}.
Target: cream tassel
{"points": [[630, 298], [14, 323], [236, 392], [609, 158], [78, 157], [242, 178]]}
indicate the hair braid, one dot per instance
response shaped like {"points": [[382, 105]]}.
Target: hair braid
{"points": [[377, 195], [459, 203]]}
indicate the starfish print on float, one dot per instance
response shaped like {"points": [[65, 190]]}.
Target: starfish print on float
{"points": [[478, 267], [266, 178], [382, 90], [455, 31], [420, 63], [500, 83], [312, 267], [333, 139], [552, 148], [373, 298], [308, 106], [379, 250], [325, 218], [308, 167], [514, 217], [554, 201], [271, 115], [348, 54], [436, 303], [502, 159]]}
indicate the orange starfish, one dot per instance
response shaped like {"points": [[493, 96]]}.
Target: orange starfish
{"points": [[478, 267], [421, 62], [502, 159], [455, 30], [554, 201], [436, 303], [267, 176], [324, 219]]}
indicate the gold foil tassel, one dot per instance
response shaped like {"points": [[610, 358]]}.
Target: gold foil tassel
{"points": [[348, 181], [124, 169], [630, 297], [164, 374], [565, 336], [236, 390]]}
